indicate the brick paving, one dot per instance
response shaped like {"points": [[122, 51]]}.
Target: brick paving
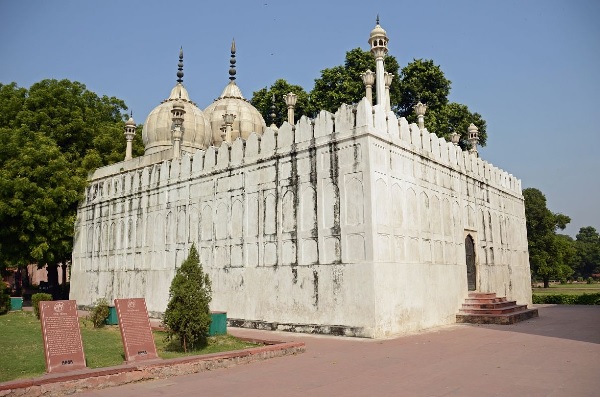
{"points": [[557, 354]]}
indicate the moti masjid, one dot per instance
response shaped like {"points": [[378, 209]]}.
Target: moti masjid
{"points": [[354, 223]]}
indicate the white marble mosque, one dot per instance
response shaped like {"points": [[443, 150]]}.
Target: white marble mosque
{"points": [[354, 223]]}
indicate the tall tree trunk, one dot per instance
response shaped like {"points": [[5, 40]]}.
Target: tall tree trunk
{"points": [[25, 277], [64, 273], [52, 270], [546, 282]]}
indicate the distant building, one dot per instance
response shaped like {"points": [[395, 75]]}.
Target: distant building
{"points": [[353, 223]]}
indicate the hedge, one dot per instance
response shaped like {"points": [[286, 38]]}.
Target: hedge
{"points": [[35, 301], [564, 299]]}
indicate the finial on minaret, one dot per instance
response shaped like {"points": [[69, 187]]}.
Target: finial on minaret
{"points": [[377, 20], [368, 79], [290, 100], [232, 70], [180, 66], [420, 109]]}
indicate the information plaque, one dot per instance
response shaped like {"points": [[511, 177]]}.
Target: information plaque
{"points": [[63, 347], [136, 332]]}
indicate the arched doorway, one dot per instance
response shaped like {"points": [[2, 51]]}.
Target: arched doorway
{"points": [[470, 259]]}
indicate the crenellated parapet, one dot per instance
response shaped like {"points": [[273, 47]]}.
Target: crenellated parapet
{"points": [[347, 122]]}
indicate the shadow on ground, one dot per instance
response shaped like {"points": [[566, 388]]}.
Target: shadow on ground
{"points": [[575, 322]]}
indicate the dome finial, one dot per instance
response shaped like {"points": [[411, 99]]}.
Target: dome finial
{"points": [[180, 66], [232, 70], [273, 110], [377, 20]]}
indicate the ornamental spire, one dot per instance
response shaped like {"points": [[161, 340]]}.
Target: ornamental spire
{"points": [[232, 70], [273, 110], [180, 67]]}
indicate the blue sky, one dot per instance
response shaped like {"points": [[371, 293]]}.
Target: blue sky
{"points": [[531, 68]]}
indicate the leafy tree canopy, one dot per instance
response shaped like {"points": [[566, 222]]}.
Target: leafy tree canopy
{"points": [[549, 253], [53, 134], [188, 316], [263, 101], [587, 260], [343, 84], [422, 80]]}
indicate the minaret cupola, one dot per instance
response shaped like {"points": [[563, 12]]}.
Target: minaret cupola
{"points": [[378, 41]]}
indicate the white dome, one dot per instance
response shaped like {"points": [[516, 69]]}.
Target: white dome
{"points": [[377, 32], [247, 118], [157, 128]]}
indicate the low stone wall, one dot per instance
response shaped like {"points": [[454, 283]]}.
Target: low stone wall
{"points": [[76, 381]]}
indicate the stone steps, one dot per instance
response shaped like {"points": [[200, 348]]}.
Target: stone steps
{"points": [[487, 308]]}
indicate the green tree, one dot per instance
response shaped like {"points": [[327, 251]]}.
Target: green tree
{"points": [[549, 253], [263, 100], [587, 245], [53, 134], [343, 84], [188, 316], [39, 192], [455, 117], [423, 80], [11, 103], [420, 80]]}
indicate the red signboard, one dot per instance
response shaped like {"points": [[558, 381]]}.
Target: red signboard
{"points": [[63, 347], [136, 332]]}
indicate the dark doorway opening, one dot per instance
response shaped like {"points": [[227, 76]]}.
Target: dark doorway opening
{"points": [[470, 258]]}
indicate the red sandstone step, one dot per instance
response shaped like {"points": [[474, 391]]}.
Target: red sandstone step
{"points": [[486, 295], [502, 319], [491, 305], [485, 300], [505, 310]]}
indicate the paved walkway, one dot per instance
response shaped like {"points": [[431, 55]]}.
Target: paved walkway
{"points": [[557, 354]]}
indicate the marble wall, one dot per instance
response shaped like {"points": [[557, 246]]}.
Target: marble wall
{"points": [[352, 223]]}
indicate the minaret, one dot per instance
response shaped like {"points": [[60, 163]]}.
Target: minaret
{"points": [[378, 41], [129, 135], [228, 119], [473, 133], [388, 83], [177, 113]]}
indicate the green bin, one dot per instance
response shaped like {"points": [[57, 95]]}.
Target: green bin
{"points": [[16, 303], [112, 318], [218, 324]]}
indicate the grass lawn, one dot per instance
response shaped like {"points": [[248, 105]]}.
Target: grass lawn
{"points": [[22, 350], [568, 289]]}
